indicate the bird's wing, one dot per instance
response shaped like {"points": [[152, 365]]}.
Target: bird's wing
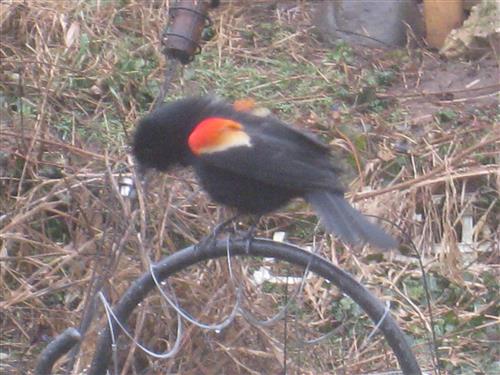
{"points": [[278, 155], [280, 130]]}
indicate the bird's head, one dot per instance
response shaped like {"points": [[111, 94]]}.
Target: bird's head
{"points": [[161, 138], [180, 131]]}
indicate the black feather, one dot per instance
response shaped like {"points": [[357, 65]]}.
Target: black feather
{"points": [[343, 220]]}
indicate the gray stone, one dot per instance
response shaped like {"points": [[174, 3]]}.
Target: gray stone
{"points": [[368, 23]]}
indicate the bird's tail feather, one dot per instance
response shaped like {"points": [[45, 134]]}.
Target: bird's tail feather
{"points": [[343, 220]]}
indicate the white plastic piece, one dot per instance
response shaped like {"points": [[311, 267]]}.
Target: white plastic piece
{"points": [[279, 236], [126, 184], [263, 275], [467, 229]]}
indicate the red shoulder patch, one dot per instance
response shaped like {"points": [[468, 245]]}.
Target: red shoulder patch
{"points": [[217, 134]]}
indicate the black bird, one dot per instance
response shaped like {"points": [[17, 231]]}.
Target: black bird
{"points": [[254, 163]]}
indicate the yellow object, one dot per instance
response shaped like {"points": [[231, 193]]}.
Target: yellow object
{"points": [[442, 16]]}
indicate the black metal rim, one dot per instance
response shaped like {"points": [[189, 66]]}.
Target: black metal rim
{"points": [[262, 248]]}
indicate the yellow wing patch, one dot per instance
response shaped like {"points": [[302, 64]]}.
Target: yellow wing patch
{"points": [[226, 141]]}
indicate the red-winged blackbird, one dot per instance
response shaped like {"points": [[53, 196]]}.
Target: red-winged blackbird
{"points": [[253, 163]]}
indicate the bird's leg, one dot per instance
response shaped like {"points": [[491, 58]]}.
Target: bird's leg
{"points": [[209, 241], [248, 236]]}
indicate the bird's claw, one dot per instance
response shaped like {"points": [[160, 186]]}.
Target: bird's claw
{"points": [[206, 243], [248, 237], [209, 241]]}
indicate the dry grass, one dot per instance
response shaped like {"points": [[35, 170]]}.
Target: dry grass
{"points": [[75, 77]]}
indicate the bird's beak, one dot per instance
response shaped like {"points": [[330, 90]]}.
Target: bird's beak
{"points": [[141, 172], [142, 176]]}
